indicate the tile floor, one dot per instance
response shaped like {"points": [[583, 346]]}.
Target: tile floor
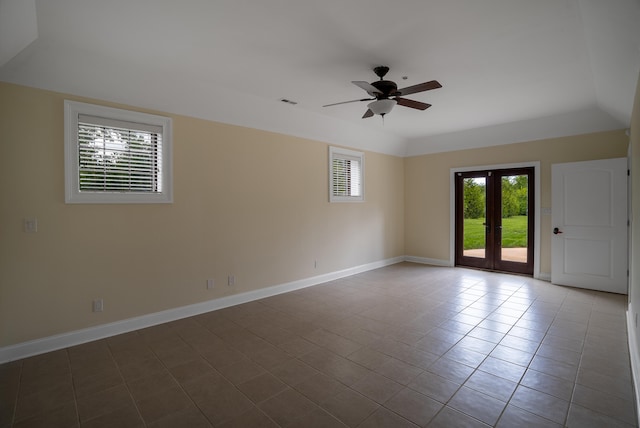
{"points": [[403, 346]]}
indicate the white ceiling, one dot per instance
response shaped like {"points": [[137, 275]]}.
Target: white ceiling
{"points": [[511, 70]]}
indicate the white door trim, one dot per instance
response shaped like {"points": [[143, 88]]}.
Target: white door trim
{"points": [[452, 207]]}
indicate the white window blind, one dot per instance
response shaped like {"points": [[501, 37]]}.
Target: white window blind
{"points": [[116, 156], [346, 175]]}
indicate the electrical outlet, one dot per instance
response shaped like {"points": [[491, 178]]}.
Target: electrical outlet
{"points": [[231, 281], [98, 305], [210, 284]]}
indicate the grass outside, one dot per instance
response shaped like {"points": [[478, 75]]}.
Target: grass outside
{"points": [[514, 232]]}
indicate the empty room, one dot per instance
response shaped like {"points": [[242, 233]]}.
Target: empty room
{"points": [[244, 213]]}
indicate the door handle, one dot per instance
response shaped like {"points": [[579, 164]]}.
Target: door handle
{"points": [[556, 231]]}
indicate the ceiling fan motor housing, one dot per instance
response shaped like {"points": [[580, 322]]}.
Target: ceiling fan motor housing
{"points": [[387, 87]]}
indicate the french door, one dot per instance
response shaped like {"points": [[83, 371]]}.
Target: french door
{"points": [[495, 219]]}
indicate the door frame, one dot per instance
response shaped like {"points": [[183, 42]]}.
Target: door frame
{"points": [[452, 208]]}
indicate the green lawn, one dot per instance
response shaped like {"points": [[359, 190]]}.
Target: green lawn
{"points": [[514, 232]]}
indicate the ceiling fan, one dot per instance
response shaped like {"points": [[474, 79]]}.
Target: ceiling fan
{"points": [[386, 94]]}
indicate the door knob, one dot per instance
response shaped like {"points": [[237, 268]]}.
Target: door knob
{"points": [[556, 231]]}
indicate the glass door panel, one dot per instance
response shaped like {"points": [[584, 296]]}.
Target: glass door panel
{"points": [[514, 213], [475, 216]]}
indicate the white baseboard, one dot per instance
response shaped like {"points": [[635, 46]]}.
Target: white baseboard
{"points": [[77, 337], [426, 261], [634, 356]]}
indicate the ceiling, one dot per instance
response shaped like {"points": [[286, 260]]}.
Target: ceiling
{"points": [[511, 70]]}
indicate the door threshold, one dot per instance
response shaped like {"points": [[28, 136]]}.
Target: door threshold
{"points": [[528, 275]]}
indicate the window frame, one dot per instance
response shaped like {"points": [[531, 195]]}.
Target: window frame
{"points": [[73, 194], [340, 153]]}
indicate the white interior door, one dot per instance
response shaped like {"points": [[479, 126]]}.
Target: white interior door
{"points": [[589, 215]]}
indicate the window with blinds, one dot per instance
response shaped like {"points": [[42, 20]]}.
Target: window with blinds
{"points": [[116, 156], [346, 175]]}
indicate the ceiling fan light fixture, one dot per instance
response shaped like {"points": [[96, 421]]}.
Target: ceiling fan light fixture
{"points": [[382, 107]]}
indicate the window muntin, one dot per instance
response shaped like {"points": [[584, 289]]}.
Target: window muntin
{"points": [[116, 156], [346, 175]]}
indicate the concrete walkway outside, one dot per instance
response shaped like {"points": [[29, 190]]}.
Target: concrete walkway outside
{"points": [[508, 254]]}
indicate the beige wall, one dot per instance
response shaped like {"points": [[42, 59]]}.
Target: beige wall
{"points": [[249, 203], [427, 185]]}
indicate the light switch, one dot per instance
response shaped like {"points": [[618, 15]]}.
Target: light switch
{"points": [[30, 224]]}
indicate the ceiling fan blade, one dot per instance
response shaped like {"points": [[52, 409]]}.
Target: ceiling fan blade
{"points": [[346, 102], [421, 87], [367, 114], [371, 90], [412, 103]]}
